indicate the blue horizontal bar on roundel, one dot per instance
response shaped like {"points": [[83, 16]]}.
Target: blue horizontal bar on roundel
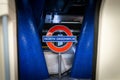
{"points": [[59, 39]]}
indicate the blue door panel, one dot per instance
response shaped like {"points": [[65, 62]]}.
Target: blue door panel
{"points": [[32, 64], [83, 60]]}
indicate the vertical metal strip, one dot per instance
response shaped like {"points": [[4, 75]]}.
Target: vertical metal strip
{"points": [[96, 31], [59, 65], [6, 49]]}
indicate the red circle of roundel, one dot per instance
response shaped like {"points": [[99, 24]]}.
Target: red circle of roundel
{"points": [[66, 46]]}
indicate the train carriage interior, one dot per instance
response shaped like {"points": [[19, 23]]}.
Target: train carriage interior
{"points": [[59, 39]]}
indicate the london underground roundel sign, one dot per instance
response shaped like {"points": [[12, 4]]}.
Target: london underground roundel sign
{"points": [[50, 38]]}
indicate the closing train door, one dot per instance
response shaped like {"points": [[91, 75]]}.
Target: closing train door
{"points": [[56, 39]]}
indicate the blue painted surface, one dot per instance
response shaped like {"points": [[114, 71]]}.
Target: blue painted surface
{"points": [[83, 60], [32, 64], [37, 9]]}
